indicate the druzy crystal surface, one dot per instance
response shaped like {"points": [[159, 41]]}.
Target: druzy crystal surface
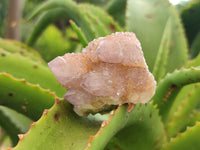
{"points": [[111, 70]]}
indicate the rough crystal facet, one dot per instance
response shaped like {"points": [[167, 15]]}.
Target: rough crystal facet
{"points": [[111, 70]]}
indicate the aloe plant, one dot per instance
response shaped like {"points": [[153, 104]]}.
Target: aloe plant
{"points": [[29, 90]]}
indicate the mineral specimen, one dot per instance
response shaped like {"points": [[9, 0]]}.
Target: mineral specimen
{"points": [[110, 71]]}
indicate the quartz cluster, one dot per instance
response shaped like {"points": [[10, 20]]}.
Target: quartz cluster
{"points": [[110, 71]]}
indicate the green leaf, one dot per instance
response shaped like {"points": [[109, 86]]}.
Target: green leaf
{"points": [[189, 104], [171, 85], [181, 96], [191, 20], [52, 43], [187, 140], [13, 123], [58, 128], [161, 61], [109, 128], [55, 10], [195, 46], [79, 33], [24, 97], [16, 47], [144, 130], [34, 72], [116, 8], [108, 22], [148, 20], [194, 62]]}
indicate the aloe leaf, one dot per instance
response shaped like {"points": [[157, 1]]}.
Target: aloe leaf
{"points": [[24, 97], [161, 61], [178, 122], [97, 26], [191, 20], [79, 33], [170, 85], [144, 130], [194, 62], [16, 47], [181, 96], [109, 24], [52, 43], [187, 140], [13, 123], [143, 19], [61, 9], [25, 68], [116, 8], [195, 46], [193, 118], [59, 124], [109, 128]]}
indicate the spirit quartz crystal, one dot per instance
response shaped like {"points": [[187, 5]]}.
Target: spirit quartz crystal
{"points": [[110, 71]]}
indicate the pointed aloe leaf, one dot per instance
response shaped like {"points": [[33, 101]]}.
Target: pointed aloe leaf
{"points": [[79, 33], [25, 68], [144, 130], [24, 97], [109, 24], [130, 128], [159, 69], [195, 46], [148, 19], [96, 25], [191, 20], [52, 43], [178, 122], [109, 128], [59, 10], [187, 140], [16, 47], [58, 128], [170, 85], [194, 62], [181, 96], [13, 123], [116, 8], [193, 118]]}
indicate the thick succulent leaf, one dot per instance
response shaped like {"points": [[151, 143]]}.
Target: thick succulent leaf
{"points": [[24, 97], [24, 68], [193, 118], [194, 62], [109, 24], [13, 123], [93, 21], [96, 25], [58, 128], [181, 96], [116, 8], [16, 47], [148, 19], [79, 33], [159, 69], [187, 140], [144, 130], [191, 20], [195, 46], [169, 87], [109, 128], [55, 10], [52, 43], [189, 104]]}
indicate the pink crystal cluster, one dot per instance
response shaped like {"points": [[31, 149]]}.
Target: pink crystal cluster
{"points": [[111, 70]]}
